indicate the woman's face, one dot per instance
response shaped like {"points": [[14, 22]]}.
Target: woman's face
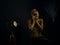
{"points": [[35, 14]]}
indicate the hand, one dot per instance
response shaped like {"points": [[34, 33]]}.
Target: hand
{"points": [[33, 18], [37, 21]]}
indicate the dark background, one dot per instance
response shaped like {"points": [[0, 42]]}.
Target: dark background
{"points": [[20, 10]]}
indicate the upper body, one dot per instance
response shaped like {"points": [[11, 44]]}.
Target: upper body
{"points": [[35, 24]]}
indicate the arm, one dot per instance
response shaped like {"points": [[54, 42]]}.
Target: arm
{"points": [[31, 26], [40, 24]]}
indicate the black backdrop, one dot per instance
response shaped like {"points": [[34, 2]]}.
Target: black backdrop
{"points": [[20, 10]]}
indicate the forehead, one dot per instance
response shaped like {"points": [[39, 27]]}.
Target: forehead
{"points": [[34, 10]]}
